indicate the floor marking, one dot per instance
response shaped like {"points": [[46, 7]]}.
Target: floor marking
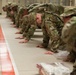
{"points": [[6, 63]]}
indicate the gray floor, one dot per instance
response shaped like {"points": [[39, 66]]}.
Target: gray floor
{"points": [[26, 56]]}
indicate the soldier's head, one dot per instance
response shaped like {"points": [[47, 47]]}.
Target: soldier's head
{"points": [[68, 14]]}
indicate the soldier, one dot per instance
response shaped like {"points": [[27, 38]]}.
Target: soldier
{"points": [[30, 23], [9, 9], [21, 13], [49, 7], [54, 23], [14, 11], [51, 27], [4, 8], [69, 36]]}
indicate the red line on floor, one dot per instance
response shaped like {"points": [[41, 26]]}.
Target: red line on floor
{"points": [[6, 63]]}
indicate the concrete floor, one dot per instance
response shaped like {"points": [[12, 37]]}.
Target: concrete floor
{"points": [[25, 56]]}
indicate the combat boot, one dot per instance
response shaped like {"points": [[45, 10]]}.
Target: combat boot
{"points": [[69, 59]]}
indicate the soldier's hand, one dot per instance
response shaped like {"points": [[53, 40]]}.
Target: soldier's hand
{"points": [[18, 33], [24, 41], [14, 26], [19, 37], [49, 52], [40, 46]]}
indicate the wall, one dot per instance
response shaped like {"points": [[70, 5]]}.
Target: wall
{"points": [[75, 2], [27, 2], [0, 6]]}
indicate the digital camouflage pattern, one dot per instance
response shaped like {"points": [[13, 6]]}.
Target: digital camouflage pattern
{"points": [[29, 25], [69, 12], [15, 11], [69, 37], [19, 16], [49, 7], [32, 6], [54, 21], [52, 26], [8, 10], [28, 18]]}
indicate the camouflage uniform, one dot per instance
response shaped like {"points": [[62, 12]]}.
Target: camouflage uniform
{"points": [[32, 6], [19, 17], [52, 26], [32, 29], [41, 7], [27, 19], [15, 11], [8, 7], [22, 17], [29, 25], [58, 9], [69, 37]]}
